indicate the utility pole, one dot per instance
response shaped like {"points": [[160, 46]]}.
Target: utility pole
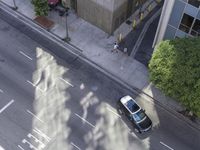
{"points": [[67, 34], [15, 6], [67, 39]]}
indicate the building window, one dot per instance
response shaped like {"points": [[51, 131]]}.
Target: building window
{"points": [[195, 3], [196, 28], [186, 23]]}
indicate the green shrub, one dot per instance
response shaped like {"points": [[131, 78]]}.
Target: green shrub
{"points": [[175, 69], [41, 7]]}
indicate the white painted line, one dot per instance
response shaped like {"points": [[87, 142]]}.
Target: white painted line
{"points": [[25, 55], [75, 146], [40, 89], [66, 82], [30, 83], [29, 143], [6, 106], [34, 116], [85, 120], [109, 109], [20, 147], [166, 145], [35, 86], [41, 144], [42, 134], [1, 90]]}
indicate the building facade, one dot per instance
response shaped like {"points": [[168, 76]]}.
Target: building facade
{"points": [[179, 18], [105, 14]]}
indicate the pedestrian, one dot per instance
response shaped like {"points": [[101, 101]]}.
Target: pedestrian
{"points": [[115, 47]]}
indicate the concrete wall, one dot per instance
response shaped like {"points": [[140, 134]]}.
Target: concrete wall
{"points": [[119, 13], [97, 12], [105, 14], [163, 22]]}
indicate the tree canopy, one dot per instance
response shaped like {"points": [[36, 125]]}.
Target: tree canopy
{"points": [[41, 7], [175, 69]]}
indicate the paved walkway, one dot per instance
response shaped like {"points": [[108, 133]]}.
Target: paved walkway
{"points": [[97, 46], [145, 49]]}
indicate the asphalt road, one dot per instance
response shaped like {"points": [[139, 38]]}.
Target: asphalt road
{"points": [[50, 104]]}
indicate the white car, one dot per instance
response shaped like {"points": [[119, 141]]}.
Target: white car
{"points": [[128, 106]]}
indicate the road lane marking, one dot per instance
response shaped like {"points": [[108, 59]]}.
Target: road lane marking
{"points": [[166, 145], [25, 55], [66, 82], [109, 109], [34, 116], [20, 147], [75, 145], [85, 120], [35, 86], [41, 145], [6, 106], [42, 134], [24, 141], [30, 83], [1, 90]]}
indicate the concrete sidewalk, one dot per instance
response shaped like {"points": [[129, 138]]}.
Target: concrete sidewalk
{"points": [[97, 46]]}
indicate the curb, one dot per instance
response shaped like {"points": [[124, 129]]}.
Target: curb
{"points": [[78, 54]]}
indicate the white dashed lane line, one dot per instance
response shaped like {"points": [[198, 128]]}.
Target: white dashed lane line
{"points": [[75, 146], [25, 55], [20, 147], [1, 90], [28, 111], [6, 106], [39, 132], [35, 86], [112, 111], [85, 120], [166, 145], [66, 82]]}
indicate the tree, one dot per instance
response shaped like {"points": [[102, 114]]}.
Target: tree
{"points": [[175, 69], [41, 7]]}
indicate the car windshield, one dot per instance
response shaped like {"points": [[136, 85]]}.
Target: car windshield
{"points": [[139, 116], [132, 106]]}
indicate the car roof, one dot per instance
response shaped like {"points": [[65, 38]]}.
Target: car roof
{"points": [[126, 98], [130, 104]]}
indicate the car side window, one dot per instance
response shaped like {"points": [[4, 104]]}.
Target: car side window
{"points": [[131, 117], [126, 111]]}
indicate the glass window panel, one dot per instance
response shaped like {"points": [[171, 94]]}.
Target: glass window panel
{"points": [[196, 28], [177, 13], [191, 10], [195, 3], [181, 34], [170, 32], [186, 23]]}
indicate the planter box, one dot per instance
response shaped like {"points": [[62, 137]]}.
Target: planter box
{"points": [[44, 22]]}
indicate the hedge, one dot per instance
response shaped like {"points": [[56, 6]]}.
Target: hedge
{"points": [[175, 69]]}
